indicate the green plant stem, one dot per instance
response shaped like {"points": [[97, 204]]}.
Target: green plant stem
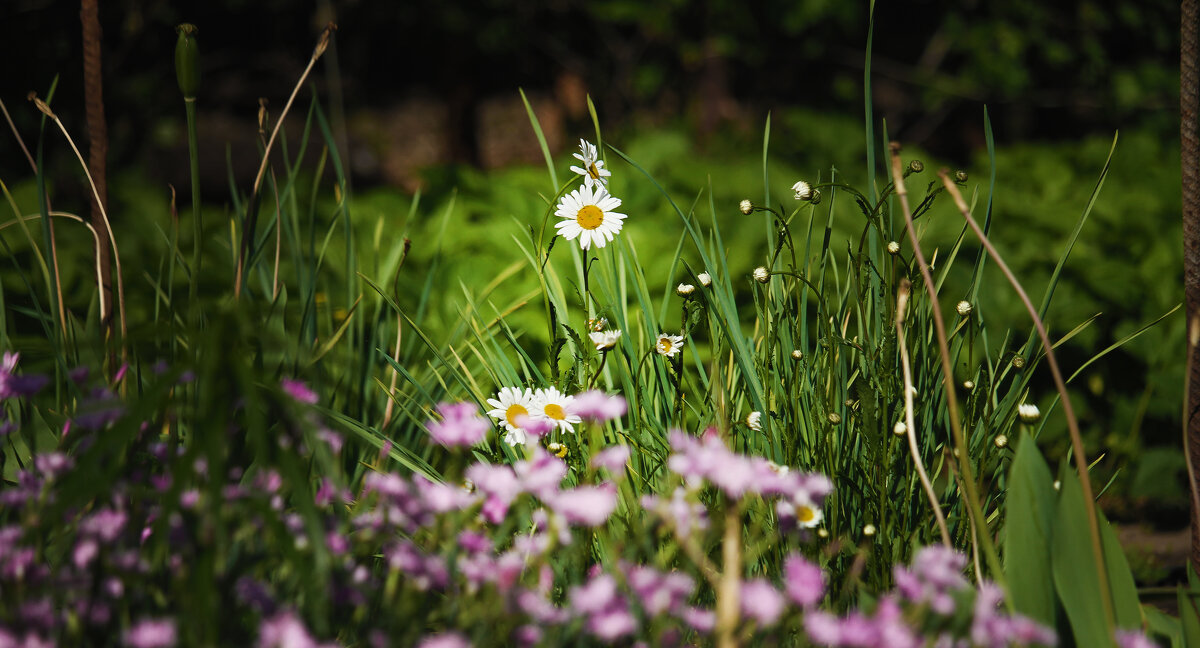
{"points": [[960, 442], [189, 104]]}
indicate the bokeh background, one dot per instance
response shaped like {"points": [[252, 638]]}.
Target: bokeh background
{"points": [[423, 95]]}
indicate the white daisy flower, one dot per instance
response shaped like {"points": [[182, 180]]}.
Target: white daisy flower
{"points": [[704, 278], [593, 170], [1028, 413], [754, 421], [803, 190], [808, 514], [605, 340], [516, 437], [588, 216], [510, 404], [553, 405], [668, 345]]}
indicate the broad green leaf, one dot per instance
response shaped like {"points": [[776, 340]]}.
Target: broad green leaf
{"points": [[1074, 566], [1120, 578], [1028, 532], [1189, 610], [1164, 625]]}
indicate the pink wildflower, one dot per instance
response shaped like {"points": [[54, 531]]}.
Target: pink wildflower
{"points": [[804, 581], [598, 406], [298, 391], [461, 425], [762, 602], [612, 459]]}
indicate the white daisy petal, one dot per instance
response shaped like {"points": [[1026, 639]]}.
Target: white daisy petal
{"points": [[586, 214], [555, 406]]}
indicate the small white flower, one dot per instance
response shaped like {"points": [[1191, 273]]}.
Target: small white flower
{"points": [[762, 275], [1029, 413], [1001, 440], [968, 385], [900, 429], [593, 170], [964, 308], [683, 290], [803, 190], [869, 530], [555, 405], [704, 278], [587, 215], [754, 421], [605, 340], [746, 206], [510, 404], [668, 345], [808, 514], [893, 247]]}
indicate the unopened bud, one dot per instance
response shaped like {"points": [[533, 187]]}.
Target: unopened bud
{"points": [[969, 385], [1001, 440], [916, 166], [746, 206], [762, 275], [1028, 413], [187, 61], [797, 354], [835, 418], [893, 247], [964, 308], [960, 176], [683, 290], [869, 530], [1018, 362], [900, 429]]}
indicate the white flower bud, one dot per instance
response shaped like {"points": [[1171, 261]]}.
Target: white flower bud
{"points": [[869, 530], [754, 421], [1001, 440], [762, 275], [893, 247], [901, 428], [964, 308], [746, 206], [704, 278], [1029, 413], [803, 190], [683, 290]]}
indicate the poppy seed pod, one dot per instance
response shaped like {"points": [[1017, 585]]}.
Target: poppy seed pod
{"points": [[187, 61]]}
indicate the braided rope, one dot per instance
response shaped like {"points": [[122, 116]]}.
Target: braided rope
{"points": [[1190, 163]]}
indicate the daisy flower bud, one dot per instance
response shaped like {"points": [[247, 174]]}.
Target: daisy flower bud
{"points": [[187, 61], [762, 275], [916, 166], [900, 429], [683, 290], [704, 278], [964, 308], [960, 176], [969, 385], [1001, 440], [1018, 362], [797, 354], [803, 190], [754, 421], [893, 247], [746, 206], [816, 197], [1028, 413], [869, 530], [835, 418]]}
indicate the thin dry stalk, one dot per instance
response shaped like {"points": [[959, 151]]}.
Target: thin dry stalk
{"points": [[901, 309], [1081, 462], [729, 594], [248, 232], [41, 105], [58, 293], [974, 510]]}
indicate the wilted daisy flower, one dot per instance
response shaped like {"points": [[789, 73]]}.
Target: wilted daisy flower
{"points": [[605, 340], [762, 275], [803, 190], [593, 170], [510, 404], [668, 345], [754, 421], [553, 405], [587, 215], [704, 278], [1029, 413]]}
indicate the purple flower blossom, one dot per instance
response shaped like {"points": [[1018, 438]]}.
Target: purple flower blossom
{"points": [[612, 459], [935, 572], [699, 619], [686, 516], [586, 505], [149, 633], [659, 592], [613, 623], [441, 497], [597, 406], [500, 487], [762, 602], [298, 391], [284, 630], [444, 640], [14, 386], [1133, 639], [461, 425], [804, 581], [594, 596], [541, 475], [52, 464]]}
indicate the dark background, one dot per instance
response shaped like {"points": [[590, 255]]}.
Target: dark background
{"points": [[1046, 70]]}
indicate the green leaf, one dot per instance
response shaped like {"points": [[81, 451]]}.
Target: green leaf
{"points": [[1164, 625], [1028, 533], [1074, 566], [1189, 610], [1120, 578]]}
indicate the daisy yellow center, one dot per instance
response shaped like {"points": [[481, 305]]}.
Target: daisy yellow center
{"points": [[805, 514], [593, 171], [664, 345], [590, 217], [513, 412], [555, 412]]}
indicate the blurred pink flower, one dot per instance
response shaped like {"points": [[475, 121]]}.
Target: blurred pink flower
{"points": [[461, 425]]}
